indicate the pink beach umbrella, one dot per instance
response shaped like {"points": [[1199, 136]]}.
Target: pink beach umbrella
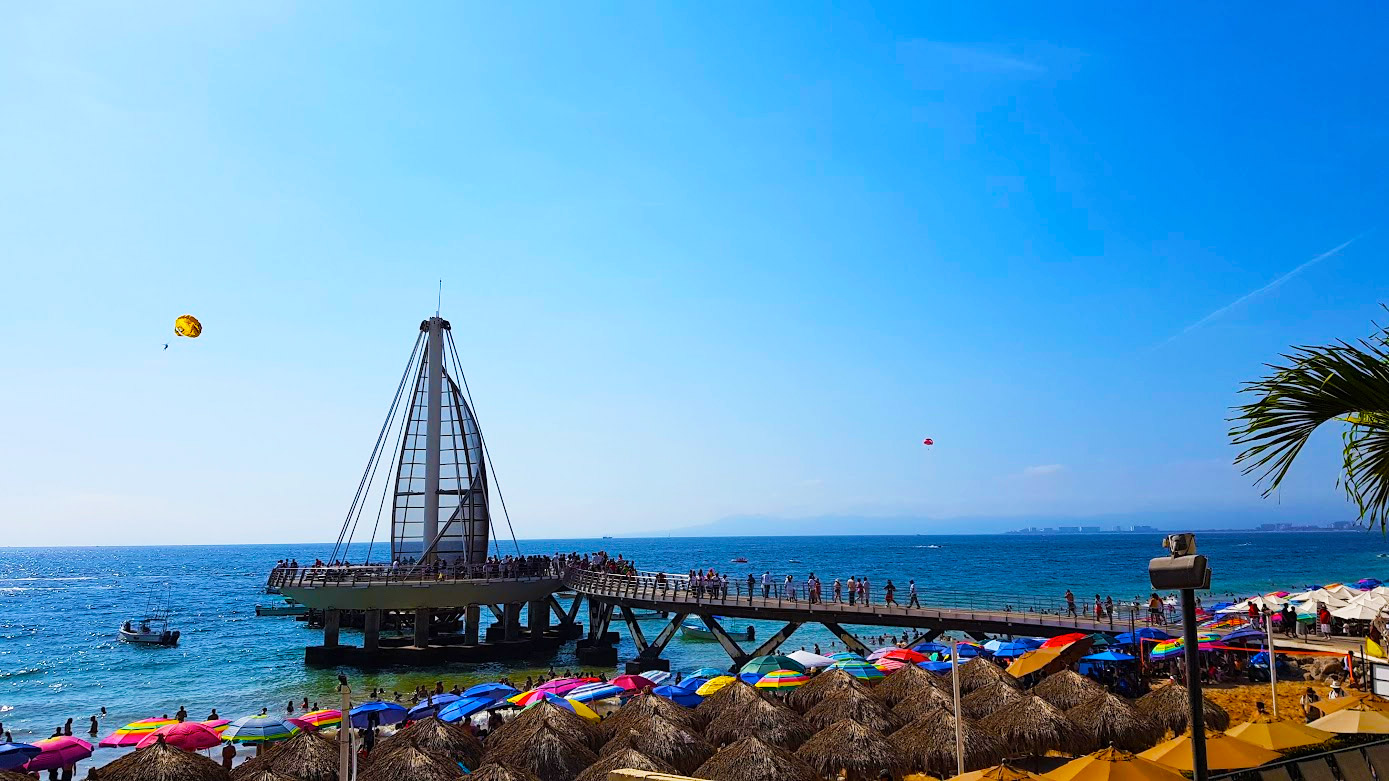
{"points": [[57, 752], [562, 686], [631, 683], [189, 736], [303, 724]]}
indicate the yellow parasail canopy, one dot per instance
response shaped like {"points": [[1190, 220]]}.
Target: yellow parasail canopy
{"points": [[187, 325]]}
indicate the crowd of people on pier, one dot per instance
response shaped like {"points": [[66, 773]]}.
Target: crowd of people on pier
{"points": [[445, 567]]}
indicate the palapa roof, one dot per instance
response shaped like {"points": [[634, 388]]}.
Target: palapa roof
{"points": [[821, 686], [408, 762], [626, 758], [10, 775], [1066, 689], [255, 775], [1032, 725], [438, 739], [852, 747], [660, 739], [928, 744], [922, 702], [904, 682], [752, 759], [861, 707], [987, 699], [551, 715], [1167, 705], [979, 672], [775, 724], [494, 772], [306, 756], [545, 751], [636, 712], [160, 762], [1107, 720], [735, 696]]}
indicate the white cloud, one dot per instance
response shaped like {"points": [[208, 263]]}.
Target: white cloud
{"points": [[1042, 469]]}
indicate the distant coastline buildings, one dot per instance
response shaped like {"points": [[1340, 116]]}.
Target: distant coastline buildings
{"points": [[1120, 529]]}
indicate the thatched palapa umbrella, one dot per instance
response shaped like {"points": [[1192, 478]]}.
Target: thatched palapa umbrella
{"points": [[160, 762], [821, 686], [551, 715], [660, 739], [408, 762], [637, 711], [307, 756], [437, 739], [904, 682], [752, 759], [923, 702], [495, 772], [1034, 726], [544, 751], [928, 744], [1167, 705], [1107, 720], [849, 746], [775, 724], [987, 699], [733, 697], [626, 758], [979, 672], [1066, 689], [861, 707]]}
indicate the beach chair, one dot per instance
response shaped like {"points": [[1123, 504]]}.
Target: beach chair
{"points": [[1279, 773], [1315, 770], [1353, 766], [1379, 760]]}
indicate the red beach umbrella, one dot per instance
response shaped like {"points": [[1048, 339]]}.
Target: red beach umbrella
{"points": [[631, 682], [1061, 640], [189, 736]]}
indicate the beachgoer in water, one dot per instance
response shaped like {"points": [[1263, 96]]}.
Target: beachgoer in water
{"points": [[213, 715], [304, 705], [67, 727], [182, 713], [228, 754], [290, 708], [92, 730]]}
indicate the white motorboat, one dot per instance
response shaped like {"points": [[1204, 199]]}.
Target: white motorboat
{"points": [[149, 631], [287, 608], [696, 632]]}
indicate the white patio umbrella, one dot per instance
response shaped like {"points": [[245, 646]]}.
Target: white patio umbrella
{"points": [[1356, 612], [810, 660]]}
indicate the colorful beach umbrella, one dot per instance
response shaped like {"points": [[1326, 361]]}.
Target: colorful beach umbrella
{"points": [[58, 752], [632, 683], [1222, 753], [12, 755], [859, 669], [1003, 772], [219, 725], [466, 707], [708, 672], [497, 691], [847, 656], [1278, 735], [928, 647], [1112, 764], [259, 729], [1167, 648], [321, 719], [562, 686], [889, 665], [936, 667], [577, 708], [149, 724], [904, 655], [1008, 650], [1061, 641], [765, 664], [132, 733], [431, 705], [714, 684], [810, 660], [782, 679], [189, 736], [968, 650], [382, 713], [595, 691], [679, 696], [1109, 656], [1140, 634]]}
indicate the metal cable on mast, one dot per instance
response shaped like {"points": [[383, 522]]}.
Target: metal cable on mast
{"points": [[468, 395]]}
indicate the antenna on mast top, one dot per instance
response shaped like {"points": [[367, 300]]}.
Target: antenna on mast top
{"points": [[439, 302]]}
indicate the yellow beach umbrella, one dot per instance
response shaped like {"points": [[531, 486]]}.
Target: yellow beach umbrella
{"points": [[1001, 772], [1222, 752], [1371, 700], [1034, 661], [919, 777], [714, 684], [1112, 764], [1278, 735], [1361, 718]]}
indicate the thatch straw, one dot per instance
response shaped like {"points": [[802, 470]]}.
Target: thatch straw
{"points": [[544, 751], [626, 758], [735, 696], [775, 724], [9, 775], [905, 682], [1066, 689], [987, 699], [636, 712], [660, 739], [821, 686], [307, 756], [408, 762], [495, 772], [925, 701], [254, 775], [752, 759], [853, 748], [980, 672], [1167, 706], [438, 739], [1034, 726], [861, 707], [928, 744], [547, 714], [160, 762], [1107, 720]]}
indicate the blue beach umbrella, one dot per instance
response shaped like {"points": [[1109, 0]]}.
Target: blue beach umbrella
{"points": [[432, 705], [1011, 650], [595, 691], [708, 672], [935, 667], [1243, 634], [861, 670], [929, 648], [497, 691], [385, 713], [969, 650], [847, 656], [750, 678], [1144, 633], [690, 684], [12, 755], [680, 696], [1109, 656], [259, 729], [467, 706]]}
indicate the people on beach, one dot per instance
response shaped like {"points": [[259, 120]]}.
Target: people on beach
{"points": [[1308, 701], [1070, 602]]}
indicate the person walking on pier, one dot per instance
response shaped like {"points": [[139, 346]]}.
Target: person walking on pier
{"points": [[865, 592], [1070, 603], [889, 593], [752, 583], [1109, 608], [912, 601], [767, 584], [838, 591]]}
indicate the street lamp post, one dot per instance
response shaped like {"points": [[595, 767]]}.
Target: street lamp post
{"points": [[1185, 571]]}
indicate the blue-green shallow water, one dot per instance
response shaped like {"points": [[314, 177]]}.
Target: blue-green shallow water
{"points": [[60, 607]]}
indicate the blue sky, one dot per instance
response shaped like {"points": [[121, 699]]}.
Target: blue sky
{"points": [[702, 260]]}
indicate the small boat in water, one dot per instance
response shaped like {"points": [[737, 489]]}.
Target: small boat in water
{"points": [[153, 629], [287, 608], [696, 632], [740, 560]]}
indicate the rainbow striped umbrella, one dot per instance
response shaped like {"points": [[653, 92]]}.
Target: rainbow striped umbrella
{"points": [[217, 725], [577, 708], [859, 669], [782, 679], [890, 665], [258, 729], [132, 733], [323, 718], [714, 684], [847, 656]]}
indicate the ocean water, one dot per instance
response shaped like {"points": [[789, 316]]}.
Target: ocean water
{"points": [[60, 608]]}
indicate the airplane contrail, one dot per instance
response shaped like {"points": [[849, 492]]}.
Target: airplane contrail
{"points": [[1270, 286]]}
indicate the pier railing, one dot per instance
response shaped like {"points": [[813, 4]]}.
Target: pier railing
{"points": [[374, 574]]}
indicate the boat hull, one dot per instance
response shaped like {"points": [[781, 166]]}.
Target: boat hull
{"points": [[696, 633], [150, 638]]}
